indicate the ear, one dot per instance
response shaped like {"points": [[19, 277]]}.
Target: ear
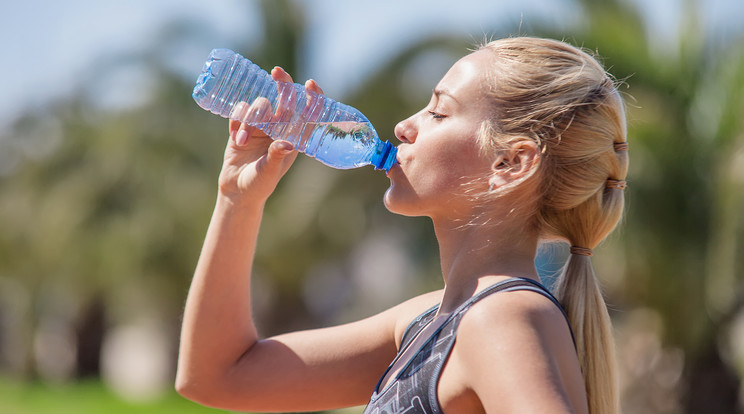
{"points": [[515, 164]]}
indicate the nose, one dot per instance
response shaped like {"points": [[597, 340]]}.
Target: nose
{"points": [[405, 131]]}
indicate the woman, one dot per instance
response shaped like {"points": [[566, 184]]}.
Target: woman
{"points": [[523, 141]]}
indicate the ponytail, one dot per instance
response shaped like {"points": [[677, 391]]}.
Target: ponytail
{"points": [[578, 292]]}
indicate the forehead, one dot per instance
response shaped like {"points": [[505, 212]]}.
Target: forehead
{"points": [[468, 75]]}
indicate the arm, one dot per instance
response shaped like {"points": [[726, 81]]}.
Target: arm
{"points": [[519, 357], [222, 362]]}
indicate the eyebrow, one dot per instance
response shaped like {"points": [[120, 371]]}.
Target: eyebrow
{"points": [[440, 91]]}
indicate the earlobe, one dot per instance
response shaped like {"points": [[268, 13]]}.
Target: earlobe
{"points": [[496, 181]]}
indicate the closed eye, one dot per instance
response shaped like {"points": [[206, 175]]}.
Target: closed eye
{"points": [[436, 115]]}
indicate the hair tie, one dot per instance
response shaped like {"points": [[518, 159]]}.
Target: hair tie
{"points": [[620, 146], [581, 251], [619, 184]]}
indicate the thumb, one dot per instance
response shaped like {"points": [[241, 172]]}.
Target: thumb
{"points": [[278, 152]]}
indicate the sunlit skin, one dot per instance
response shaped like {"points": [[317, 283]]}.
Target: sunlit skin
{"points": [[513, 353], [438, 150]]}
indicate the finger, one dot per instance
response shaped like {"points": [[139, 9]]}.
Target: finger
{"points": [[312, 86], [233, 126], [280, 75], [258, 112], [280, 149], [243, 135], [279, 154], [286, 102], [315, 101], [238, 113], [287, 99]]}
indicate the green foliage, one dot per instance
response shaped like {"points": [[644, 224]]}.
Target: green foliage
{"points": [[85, 398], [115, 204]]}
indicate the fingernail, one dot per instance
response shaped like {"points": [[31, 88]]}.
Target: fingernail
{"points": [[241, 138], [286, 147]]}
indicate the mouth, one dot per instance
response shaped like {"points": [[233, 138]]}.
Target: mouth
{"points": [[395, 166]]}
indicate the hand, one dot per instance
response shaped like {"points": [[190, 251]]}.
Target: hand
{"points": [[254, 163]]}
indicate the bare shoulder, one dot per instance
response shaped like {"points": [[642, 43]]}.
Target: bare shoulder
{"points": [[516, 310], [522, 321], [509, 339]]}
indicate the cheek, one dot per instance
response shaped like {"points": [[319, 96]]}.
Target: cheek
{"points": [[455, 163]]}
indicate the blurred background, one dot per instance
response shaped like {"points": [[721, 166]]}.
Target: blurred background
{"points": [[108, 176]]}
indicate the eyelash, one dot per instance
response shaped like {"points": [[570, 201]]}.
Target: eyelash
{"points": [[436, 115]]}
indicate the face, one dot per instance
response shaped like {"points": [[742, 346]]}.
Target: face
{"points": [[439, 150]]}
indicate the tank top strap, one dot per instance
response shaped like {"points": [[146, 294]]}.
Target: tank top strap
{"points": [[508, 285], [417, 325], [514, 284]]}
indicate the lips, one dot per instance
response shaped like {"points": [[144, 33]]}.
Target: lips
{"points": [[395, 166]]}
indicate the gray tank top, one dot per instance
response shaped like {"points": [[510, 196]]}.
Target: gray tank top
{"points": [[414, 389]]}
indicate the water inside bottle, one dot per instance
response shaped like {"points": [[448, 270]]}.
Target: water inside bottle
{"points": [[346, 144]]}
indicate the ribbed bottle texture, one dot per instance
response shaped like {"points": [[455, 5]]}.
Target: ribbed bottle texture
{"points": [[336, 134]]}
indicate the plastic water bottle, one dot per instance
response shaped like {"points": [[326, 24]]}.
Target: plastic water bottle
{"points": [[333, 133]]}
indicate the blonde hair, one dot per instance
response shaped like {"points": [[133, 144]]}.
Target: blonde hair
{"points": [[561, 98]]}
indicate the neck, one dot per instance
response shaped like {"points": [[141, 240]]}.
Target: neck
{"points": [[476, 256]]}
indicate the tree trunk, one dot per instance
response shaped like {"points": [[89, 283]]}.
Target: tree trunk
{"points": [[90, 332]]}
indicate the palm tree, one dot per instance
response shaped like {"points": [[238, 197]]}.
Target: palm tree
{"points": [[109, 220]]}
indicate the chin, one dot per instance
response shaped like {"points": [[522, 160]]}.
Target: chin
{"points": [[399, 204]]}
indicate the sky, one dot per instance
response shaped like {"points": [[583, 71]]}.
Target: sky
{"points": [[48, 45]]}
